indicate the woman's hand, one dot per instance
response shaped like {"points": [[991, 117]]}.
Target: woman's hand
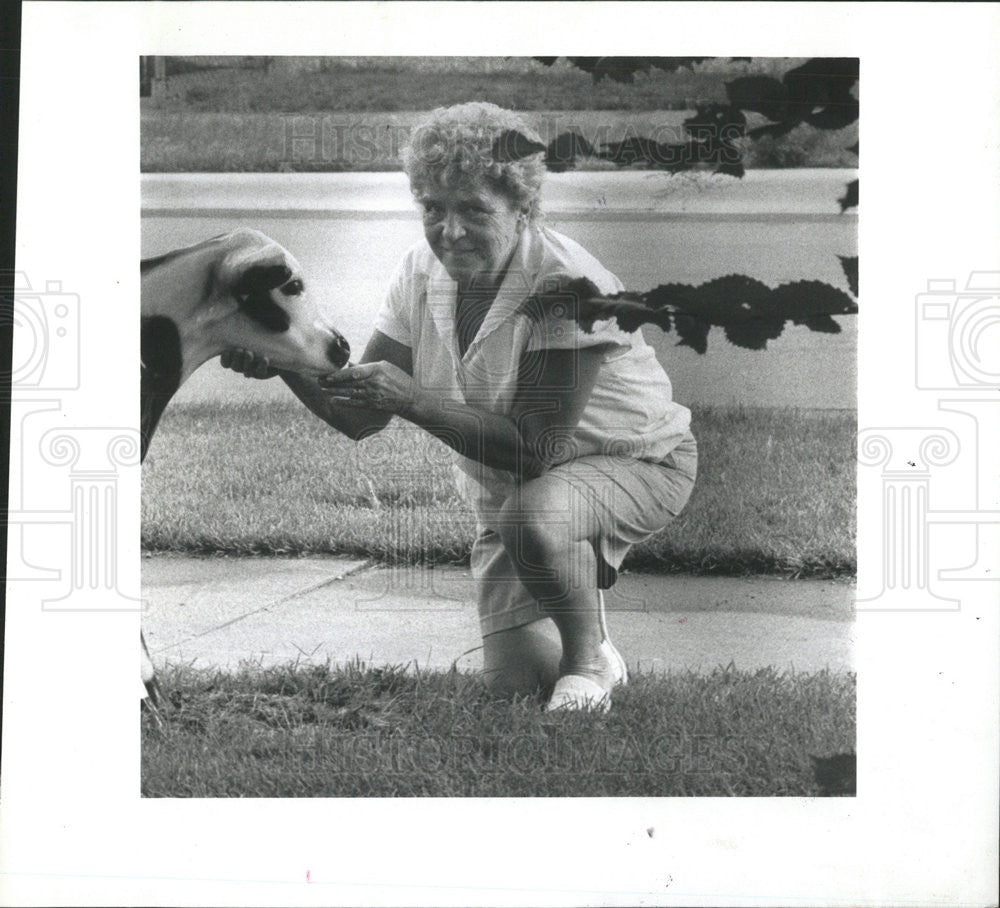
{"points": [[246, 363], [378, 386]]}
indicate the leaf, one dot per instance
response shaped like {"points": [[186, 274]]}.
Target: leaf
{"points": [[850, 197], [564, 149], [821, 80], [512, 145], [836, 115], [774, 130], [633, 150], [640, 150], [693, 332], [749, 312], [821, 323], [587, 64], [820, 90], [801, 300], [731, 300], [714, 133], [676, 299], [732, 170], [672, 64], [756, 334], [761, 94], [618, 69], [850, 266], [716, 119], [630, 314]]}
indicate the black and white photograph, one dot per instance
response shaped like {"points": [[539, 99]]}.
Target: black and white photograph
{"points": [[526, 467], [444, 430]]}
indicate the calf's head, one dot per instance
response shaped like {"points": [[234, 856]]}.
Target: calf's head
{"points": [[245, 290]]}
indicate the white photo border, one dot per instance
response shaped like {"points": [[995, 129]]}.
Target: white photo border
{"points": [[922, 829]]}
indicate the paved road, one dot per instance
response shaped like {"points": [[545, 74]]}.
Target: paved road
{"points": [[216, 612], [349, 231]]}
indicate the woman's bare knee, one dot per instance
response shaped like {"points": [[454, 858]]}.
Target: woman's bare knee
{"points": [[539, 523], [522, 660]]}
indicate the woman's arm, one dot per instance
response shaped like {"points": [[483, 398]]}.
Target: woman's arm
{"points": [[345, 416], [553, 392], [354, 421]]}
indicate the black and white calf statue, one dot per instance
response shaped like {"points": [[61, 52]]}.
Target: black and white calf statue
{"points": [[241, 289]]}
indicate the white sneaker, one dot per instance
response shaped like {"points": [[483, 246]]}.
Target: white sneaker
{"points": [[577, 692], [580, 692]]}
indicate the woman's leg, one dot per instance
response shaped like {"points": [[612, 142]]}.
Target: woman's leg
{"points": [[521, 647], [552, 526], [549, 530], [522, 660]]}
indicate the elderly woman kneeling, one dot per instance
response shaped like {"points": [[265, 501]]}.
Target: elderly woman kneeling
{"points": [[568, 445]]}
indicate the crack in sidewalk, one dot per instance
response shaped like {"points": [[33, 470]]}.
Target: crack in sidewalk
{"points": [[329, 581]]}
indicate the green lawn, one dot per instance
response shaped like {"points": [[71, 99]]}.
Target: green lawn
{"points": [[389, 84], [181, 141], [775, 494], [354, 114], [379, 732]]}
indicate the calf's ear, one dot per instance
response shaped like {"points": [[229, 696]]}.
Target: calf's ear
{"points": [[251, 266], [248, 273]]}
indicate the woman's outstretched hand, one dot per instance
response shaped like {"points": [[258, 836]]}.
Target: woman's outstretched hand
{"points": [[246, 363], [379, 386]]}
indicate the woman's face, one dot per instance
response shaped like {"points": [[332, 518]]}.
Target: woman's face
{"points": [[472, 230]]}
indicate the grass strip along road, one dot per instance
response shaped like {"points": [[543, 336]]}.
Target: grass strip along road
{"points": [[775, 493], [334, 142], [354, 114]]}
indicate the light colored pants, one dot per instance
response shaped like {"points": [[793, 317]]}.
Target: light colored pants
{"points": [[631, 500]]}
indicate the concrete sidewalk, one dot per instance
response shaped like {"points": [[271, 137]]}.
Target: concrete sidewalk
{"points": [[217, 612]]}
